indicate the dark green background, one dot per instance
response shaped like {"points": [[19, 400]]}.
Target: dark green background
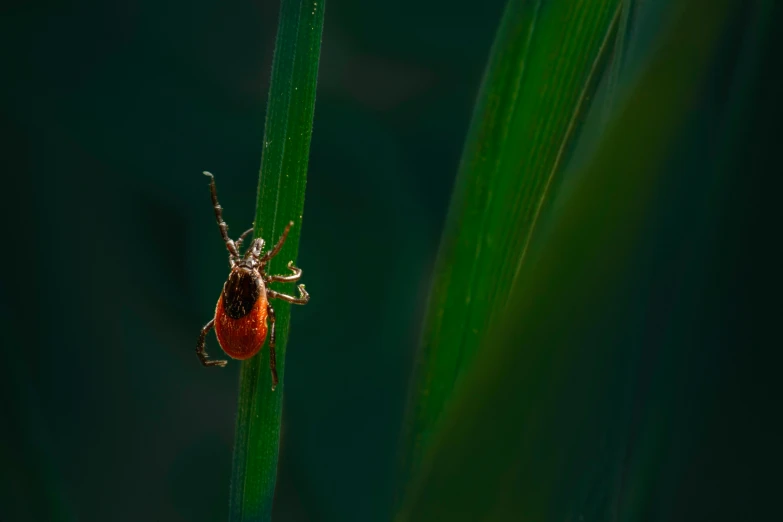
{"points": [[113, 261]]}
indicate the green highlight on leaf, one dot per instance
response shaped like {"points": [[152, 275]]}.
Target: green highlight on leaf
{"points": [[281, 191], [542, 73], [533, 421]]}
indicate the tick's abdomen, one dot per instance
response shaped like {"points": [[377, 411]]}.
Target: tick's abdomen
{"points": [[241, 338], [240, 315]]}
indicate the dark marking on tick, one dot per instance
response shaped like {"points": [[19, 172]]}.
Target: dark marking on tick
{"points": [[241, 292]]}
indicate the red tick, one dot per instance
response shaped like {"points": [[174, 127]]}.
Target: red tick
{"points": [[243, 306]]}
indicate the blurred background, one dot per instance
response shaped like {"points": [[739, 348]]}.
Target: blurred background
{"points": [[113, 262]]}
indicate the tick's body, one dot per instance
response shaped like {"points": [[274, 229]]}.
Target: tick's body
{"points": [[241, 314], [243, 307]]}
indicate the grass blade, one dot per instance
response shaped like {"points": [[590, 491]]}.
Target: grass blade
{"points": [[531, 426], [542, 72], [281, 191]]}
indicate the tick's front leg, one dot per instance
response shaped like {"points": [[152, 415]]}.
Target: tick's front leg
{"points": [[238, 242]]}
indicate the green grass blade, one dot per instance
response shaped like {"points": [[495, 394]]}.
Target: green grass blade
{"points": [[531, 427], [281, 193], [543, 69]]}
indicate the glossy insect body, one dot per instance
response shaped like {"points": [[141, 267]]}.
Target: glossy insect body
{"points": [[241, 313], [243, 307]]}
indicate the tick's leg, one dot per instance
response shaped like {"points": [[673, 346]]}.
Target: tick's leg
{"points": [[302, 299], [232, 248], [238, 242], [201, 349], [297, 273], [272, 253], [272, 355]]}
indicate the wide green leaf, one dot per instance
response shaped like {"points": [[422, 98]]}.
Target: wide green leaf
{"points": [[542, 72], [538, 430]]}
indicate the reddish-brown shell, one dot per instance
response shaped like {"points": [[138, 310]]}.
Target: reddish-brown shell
{"points": [[242, 338]]}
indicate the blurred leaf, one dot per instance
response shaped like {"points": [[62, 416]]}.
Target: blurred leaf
{"points": [[542, 72], [281, 191], [536, 430]]}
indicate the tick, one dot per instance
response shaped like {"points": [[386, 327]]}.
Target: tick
{"points": [[243, 306]]}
